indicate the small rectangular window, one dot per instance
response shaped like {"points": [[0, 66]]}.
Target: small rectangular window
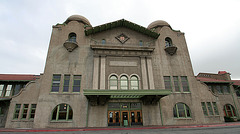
{"points": [[66, 83], [17, 89], [215, 108], [219, 90], [204, 109], [211, 88], [176, 84], [56, 82], [226, 89], [209, 105], [167, 82], [8, 90], [1, 89], [185, 85], [76, 83], [32, 111], [17, 111], [25, 110]]}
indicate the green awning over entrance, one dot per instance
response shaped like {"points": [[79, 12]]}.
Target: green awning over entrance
{"points": [[100, 97], [87, 92], [5, 99]]}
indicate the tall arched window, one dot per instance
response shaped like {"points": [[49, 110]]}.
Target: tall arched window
{"points": [[168, 42], [124, 82], [134, 84], [181, 110], [72, 37], [113, 82], [229, 110], [62, 112]]}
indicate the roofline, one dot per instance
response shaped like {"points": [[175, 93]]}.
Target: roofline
{"points": [[217, 81], [121, 23]]}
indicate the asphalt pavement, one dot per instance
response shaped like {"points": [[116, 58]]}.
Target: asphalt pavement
{"points": [[233, 128]]}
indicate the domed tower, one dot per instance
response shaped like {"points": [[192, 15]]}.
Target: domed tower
{"points": [[78, 18], [157, 25]]}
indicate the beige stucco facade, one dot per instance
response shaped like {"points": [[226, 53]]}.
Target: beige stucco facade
{"points": [[97, 61]]}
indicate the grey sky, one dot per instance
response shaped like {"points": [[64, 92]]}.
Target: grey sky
{"points": [[211, 27]]}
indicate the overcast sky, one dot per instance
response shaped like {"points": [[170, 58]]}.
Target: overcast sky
{"points": [[211, 27]]}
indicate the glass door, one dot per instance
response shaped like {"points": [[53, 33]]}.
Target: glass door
{"points": [[125, 121], [136, 117], [113, 118]]}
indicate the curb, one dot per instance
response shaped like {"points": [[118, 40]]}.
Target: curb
{"points": [[99, 129]]}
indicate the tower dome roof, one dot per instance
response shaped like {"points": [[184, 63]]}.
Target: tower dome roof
{"points": [[157, 24], [78, 18]]}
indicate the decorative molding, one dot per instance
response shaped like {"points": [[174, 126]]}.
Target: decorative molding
{"points": [[123, 63], [125, 51], [122, 38]]}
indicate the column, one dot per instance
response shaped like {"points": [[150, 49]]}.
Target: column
{"points": [[95, 72], [150, 73], [102, 72], [144, 73]]}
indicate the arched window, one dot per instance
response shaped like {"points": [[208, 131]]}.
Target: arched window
{"points": [[124, 82], [229, 110], [103, 41], [134, 84], [181, 110], [168, 42], [113, 82], [62, 112], [72, 37], [140, 43]]}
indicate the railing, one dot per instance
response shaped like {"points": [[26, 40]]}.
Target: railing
{"points": [[170, 45], [171, 49]]}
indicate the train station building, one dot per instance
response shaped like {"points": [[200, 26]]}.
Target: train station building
{"points": [[118, 74]]}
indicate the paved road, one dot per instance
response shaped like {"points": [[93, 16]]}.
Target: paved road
{"points": [[199, 130]]}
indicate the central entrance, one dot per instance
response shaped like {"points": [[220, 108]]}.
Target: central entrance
{"points": [[124, 114]]}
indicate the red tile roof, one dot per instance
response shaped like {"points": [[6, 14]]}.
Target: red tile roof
{"points": [[236, 82], [211, 80], [222, 72], [204, 79], [18, 77]]}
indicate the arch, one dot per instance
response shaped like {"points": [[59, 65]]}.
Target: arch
{"points": [[103, 41], [181, 110], [72, 37], [168, 42], [113, 82], [62, 112], [229, 110], [124, 82], [134, 82]]}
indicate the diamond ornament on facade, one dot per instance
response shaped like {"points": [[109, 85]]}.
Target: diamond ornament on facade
{"points": [[122, 38]]}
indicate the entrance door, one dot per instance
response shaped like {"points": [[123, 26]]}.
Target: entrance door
{"points": [[136, 117], [113, 118], [125, 121]]}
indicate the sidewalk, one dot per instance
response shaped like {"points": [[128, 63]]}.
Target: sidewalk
{"points": [[111, 128]]}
